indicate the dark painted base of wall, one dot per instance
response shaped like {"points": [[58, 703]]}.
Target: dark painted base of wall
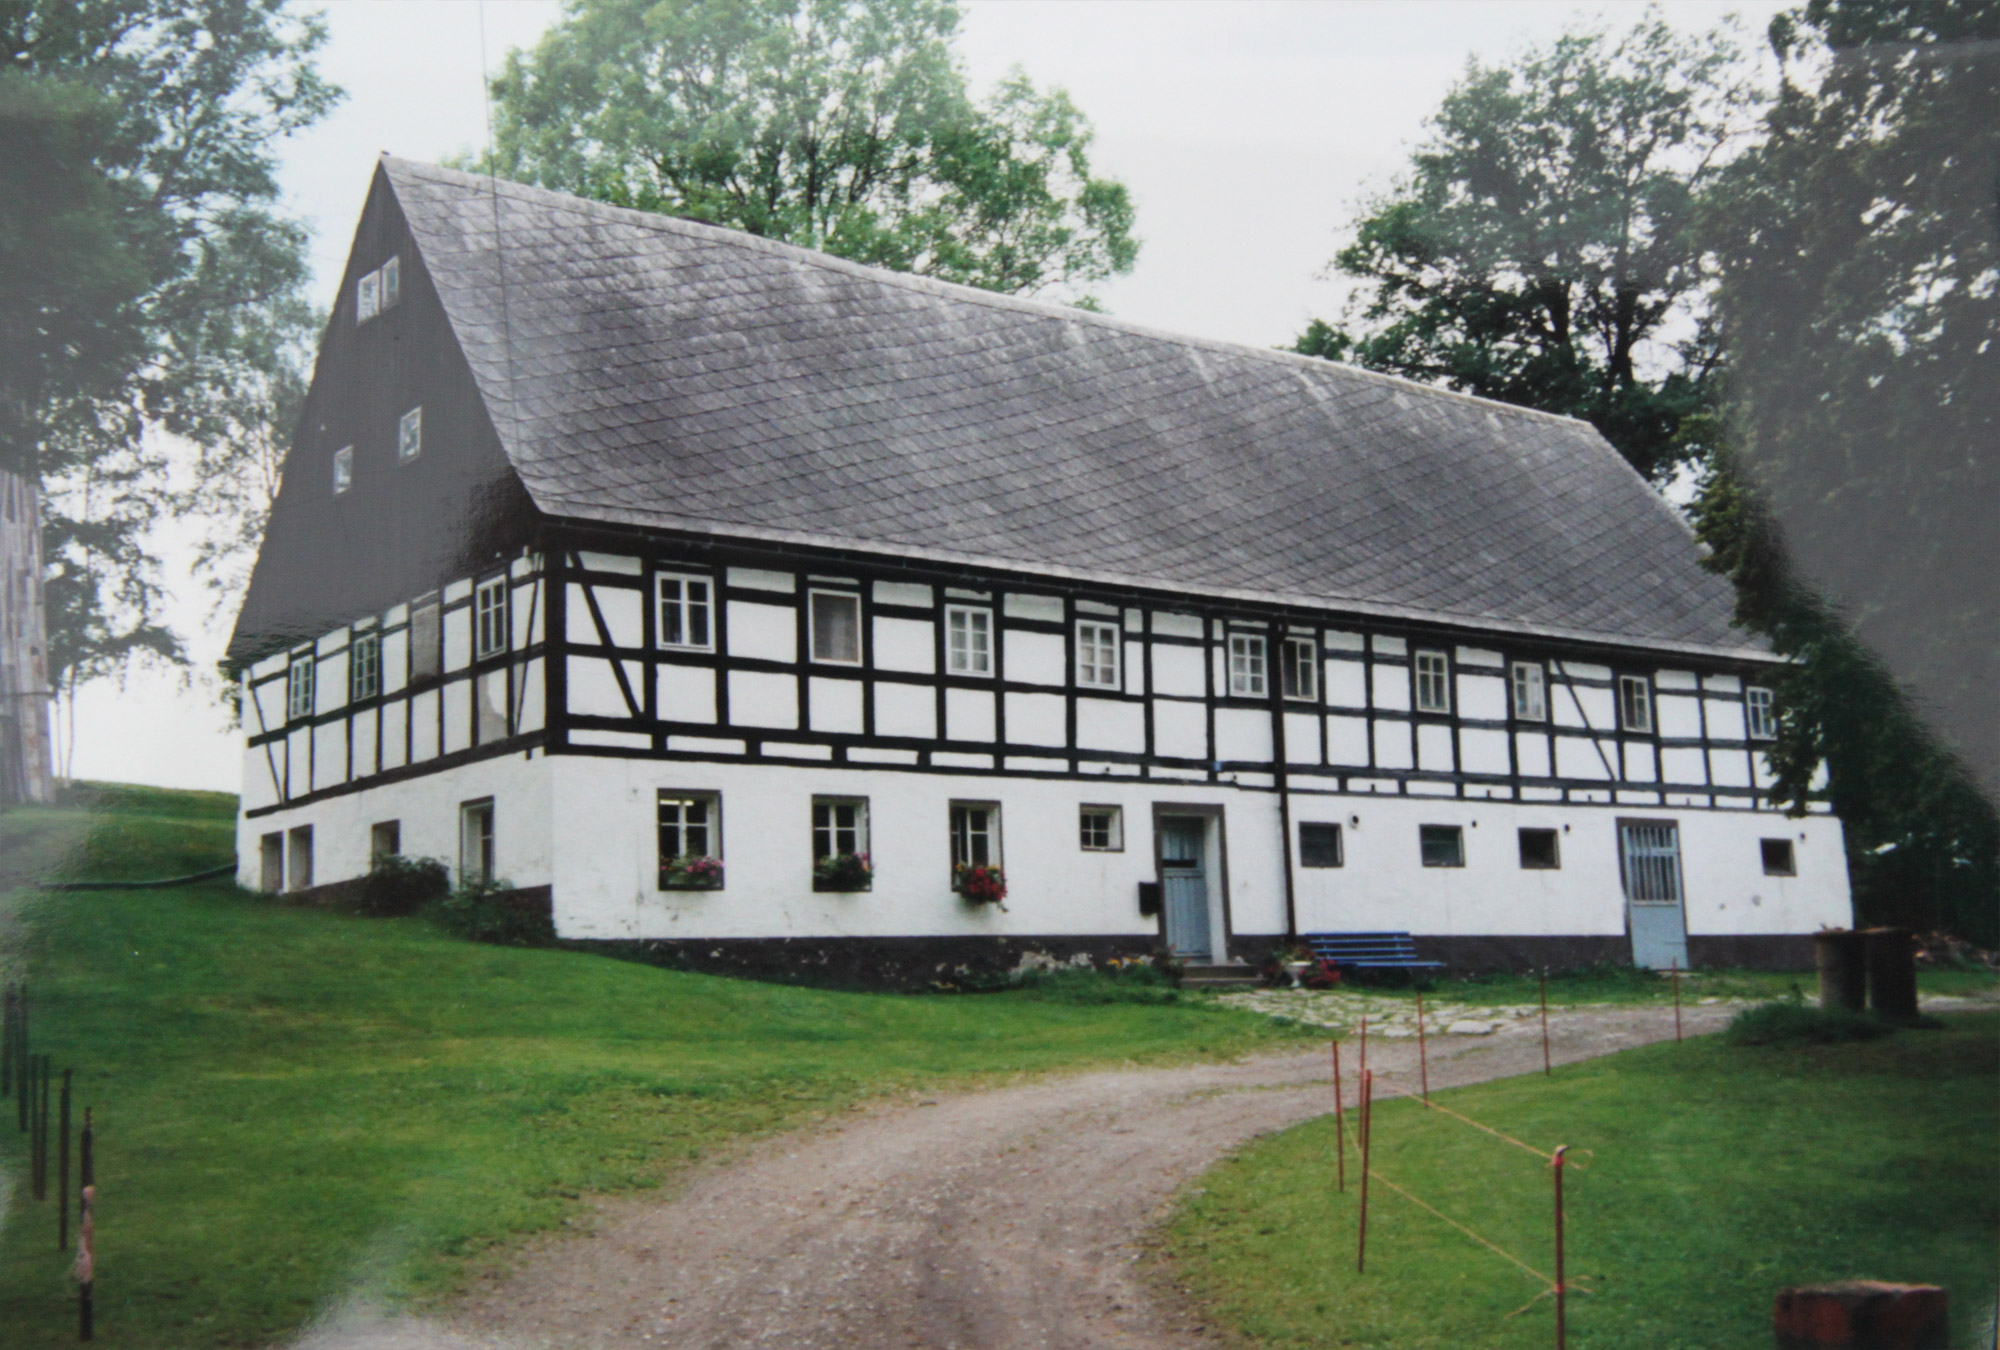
{"points": [[873, 963], [1769, 951]]}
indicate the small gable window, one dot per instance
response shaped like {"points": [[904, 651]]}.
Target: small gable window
{"points": [[343, 469], [1433, 682], [378, 290], [392, 282], [410, 436]]}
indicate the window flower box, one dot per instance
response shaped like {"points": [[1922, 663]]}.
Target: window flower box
{"points": [[691, 872], [980, 884], [844, 872]]}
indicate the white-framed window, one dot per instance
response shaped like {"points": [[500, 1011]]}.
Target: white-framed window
{"points": [[410, 435], [489, 618], [343, 469], [690, 839], [385, 840], [1531, 699], [1319, 845], [364, 666], [1635, 703], [1246, 665], [1433, 674], [975, 834], [1101, 829], [1441, 845], [840, 844], [475, 841], [1298, 673], [299, 689], [378, 290], [426, 638], [1097, 646], [685, 604], [968, 640], [836, 627], [1762, 710]]}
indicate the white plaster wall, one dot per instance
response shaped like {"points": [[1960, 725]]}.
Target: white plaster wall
{"points": [[427, 806], [1728, 892]]}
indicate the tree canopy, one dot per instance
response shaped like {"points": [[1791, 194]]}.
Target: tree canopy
{"points": [[147, 280], [1539, 248], [842, 125]]}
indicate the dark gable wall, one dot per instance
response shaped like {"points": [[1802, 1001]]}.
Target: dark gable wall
{"points": [[402, 529]]}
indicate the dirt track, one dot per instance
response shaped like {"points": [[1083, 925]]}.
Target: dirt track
{"points": [[1001, 1218]]}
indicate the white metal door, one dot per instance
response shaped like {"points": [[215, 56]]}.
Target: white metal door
{"points": [[1650, 860], [1184, 879]]}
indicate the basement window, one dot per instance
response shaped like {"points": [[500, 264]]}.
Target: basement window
{"points": [[1530, 692], [1433, 671], [1319, 845], [410, 435], [1779, 860], [1539, 850], [836, 627], [343, 469], [1101, 829], [1441, 845], [1635, 703]]}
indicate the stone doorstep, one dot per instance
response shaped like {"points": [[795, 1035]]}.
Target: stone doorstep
{"points": [[1232, 976]]}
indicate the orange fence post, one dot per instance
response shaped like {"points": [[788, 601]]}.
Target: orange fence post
{"points": [[1677, 998], [1367, 1112], [1423, 1054], [1339, 1120], [1544, 976], [1562, 1330]]}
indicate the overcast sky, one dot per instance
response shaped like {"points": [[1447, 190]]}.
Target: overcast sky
{"points": [[1246, 132]]}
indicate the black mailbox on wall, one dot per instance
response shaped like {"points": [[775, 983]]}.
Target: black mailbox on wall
{"points": [[1149, 898]]}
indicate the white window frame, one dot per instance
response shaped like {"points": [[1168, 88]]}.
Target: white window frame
{"points": [[475, 841], [368, 296], [392, 281], [975, 655], [1430, 673], [1098, 654], [1298, 675], [711, 825], [1249, 666], [299, 681], [1760, 712], [410, 435], [343, 469], [1528, 685], [1635, 704], [364, 666], [826, 838], [685, 609], [964, 836], [490, 618], [1113, 830], [852, 600]]}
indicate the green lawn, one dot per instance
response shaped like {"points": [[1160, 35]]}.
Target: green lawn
{"points": [[293, 1104], [1716, 1175]]}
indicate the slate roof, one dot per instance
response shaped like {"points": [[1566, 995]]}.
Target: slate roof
{"points": [[652, 371]]}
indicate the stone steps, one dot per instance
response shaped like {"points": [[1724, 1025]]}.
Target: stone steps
{"points": [[1216, 979]]}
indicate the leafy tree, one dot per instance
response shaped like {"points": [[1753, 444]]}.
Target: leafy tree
{"points": [[146, 279], [1539, 250], [1858, 260], [842, 125]]}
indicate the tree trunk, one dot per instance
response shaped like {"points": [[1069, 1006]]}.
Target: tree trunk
{"points": [[26, 772]]}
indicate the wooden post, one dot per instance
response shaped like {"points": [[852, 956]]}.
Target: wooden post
{"points": [[1562, 1329], [1677, 998], [62, 1167], [27, 770], [7, 1042], [38, 1134], [1423, 1054], [1547, 1070], [1339, 1120], [86, 1232], [24, 1071], [1367, 1111]]}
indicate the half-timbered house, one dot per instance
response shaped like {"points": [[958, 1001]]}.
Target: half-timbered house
{"points": [[741, 600]]}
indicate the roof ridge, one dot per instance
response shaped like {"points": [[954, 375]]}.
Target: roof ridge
{"points": [[955, 291]]}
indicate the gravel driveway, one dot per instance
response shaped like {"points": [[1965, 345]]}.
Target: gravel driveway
{"points": [[1003, 1218]]}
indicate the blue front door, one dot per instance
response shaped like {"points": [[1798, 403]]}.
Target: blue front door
{"points": [[1184, 876], [1650, 860]]}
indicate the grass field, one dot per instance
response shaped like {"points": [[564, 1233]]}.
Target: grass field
{"points": [[1714, 1176], [295, 1105]]}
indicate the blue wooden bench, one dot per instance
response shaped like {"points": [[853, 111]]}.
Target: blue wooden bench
{"points": [[1367, 951]]}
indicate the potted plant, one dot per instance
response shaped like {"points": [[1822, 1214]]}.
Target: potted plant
{"points": [[843, 872], [1294, 960], [691, 872], [979, 883]]}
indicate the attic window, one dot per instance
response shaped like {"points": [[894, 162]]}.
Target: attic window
{"points": [[836, 627], [1433, 682], [343, 469], [378, 290], [410, 436], [1635, 703]]}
